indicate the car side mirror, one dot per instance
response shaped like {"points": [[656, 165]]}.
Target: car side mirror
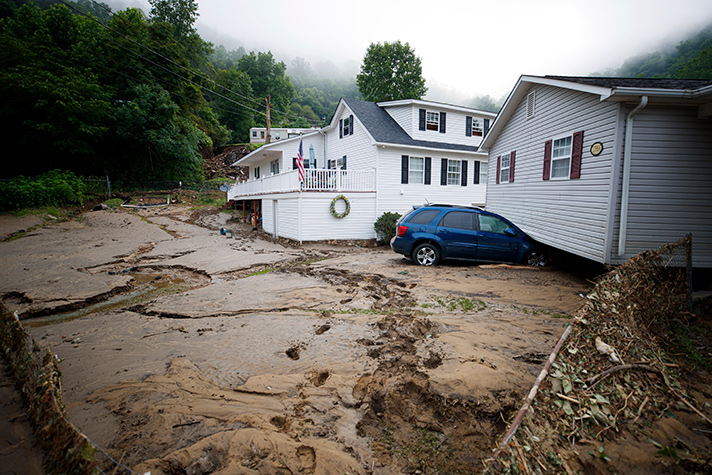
{"points": [[510, 232]]}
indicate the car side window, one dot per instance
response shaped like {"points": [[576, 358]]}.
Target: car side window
{"points": [[492, 224], [458, 219], [424, 217]]}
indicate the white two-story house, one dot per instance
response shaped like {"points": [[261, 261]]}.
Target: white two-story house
{"points": [[373, 158]]}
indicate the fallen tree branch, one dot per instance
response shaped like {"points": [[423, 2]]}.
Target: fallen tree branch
{"points": [[600, 377]]}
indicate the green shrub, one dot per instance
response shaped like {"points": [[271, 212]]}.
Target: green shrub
{"points": [[385, 227], [54, 188]]}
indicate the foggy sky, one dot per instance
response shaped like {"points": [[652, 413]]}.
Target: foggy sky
{"points": [[467, 48]]}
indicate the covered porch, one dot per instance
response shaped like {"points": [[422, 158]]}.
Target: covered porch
{"points": [[314, 180]]}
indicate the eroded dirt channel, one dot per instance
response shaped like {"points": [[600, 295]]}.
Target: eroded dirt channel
{"points": [[184, 351]]}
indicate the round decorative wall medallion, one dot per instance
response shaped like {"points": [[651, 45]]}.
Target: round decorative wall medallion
{"points": [[596, 149]]}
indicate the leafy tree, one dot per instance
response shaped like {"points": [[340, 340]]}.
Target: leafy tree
{"points": [[181, 14], [223, 59], [391, 71], [233, 109], [52, 103], [163, 143], [267, 77], [485, 103]]}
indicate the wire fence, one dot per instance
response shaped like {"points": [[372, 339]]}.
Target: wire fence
{"points": [[110, 188]]}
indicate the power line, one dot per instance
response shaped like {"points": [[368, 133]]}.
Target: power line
{"points": [[277, 111]]}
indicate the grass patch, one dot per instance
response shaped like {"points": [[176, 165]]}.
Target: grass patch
{"points": [[260, 272], [114, 202]]}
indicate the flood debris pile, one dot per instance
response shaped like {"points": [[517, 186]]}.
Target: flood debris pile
{"points": [[621, 394], [37, 375]]}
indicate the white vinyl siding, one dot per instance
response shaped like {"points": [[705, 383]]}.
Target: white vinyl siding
{"points": [[671, 172], [400, 198], [567, 214]]}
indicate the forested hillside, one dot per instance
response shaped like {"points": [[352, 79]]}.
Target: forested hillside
{"points": [[137, 95], [690, 59]]}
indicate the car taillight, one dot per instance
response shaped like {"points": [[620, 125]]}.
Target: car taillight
{"points": [[401, 230]]}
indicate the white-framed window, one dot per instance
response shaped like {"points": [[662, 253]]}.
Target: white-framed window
{"points": [[347, 126], [477, 127], [454, 168], [561, 157], [274, 167], [337, 164], [504, 168], [483, 173], [432, 120], [416, 170], [254, 133], [262, 134]]}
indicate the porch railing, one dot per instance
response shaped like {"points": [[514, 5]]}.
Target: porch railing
{"points": [[314, 180]]}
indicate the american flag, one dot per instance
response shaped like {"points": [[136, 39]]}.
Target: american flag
{"points": [[300, 162]]}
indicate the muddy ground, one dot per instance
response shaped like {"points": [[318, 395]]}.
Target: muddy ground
{"points": [[187, 351]]}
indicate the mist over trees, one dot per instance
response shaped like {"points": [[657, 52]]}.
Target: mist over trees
{"points": [[144, 96], [137, 96], [689, 59]]}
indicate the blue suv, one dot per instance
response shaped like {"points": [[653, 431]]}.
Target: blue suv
{"points": [[432, 233]]}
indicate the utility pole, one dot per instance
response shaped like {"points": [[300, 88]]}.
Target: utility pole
{"points": [[268, 138]]}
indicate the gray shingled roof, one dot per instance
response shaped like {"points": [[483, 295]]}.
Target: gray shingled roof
{"points": [[651, 83], [384, 129]]}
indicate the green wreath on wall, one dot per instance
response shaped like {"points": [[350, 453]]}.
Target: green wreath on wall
{"points": [[332, 207]]}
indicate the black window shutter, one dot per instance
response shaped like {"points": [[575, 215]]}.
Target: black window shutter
{"points": [[576, 152], [486, 128], [477, 173], [294, 163], [421, 119], [463, 177], [427, 170], [351, 124], [547, 160], [443, 171], [512, 156], [499, 164], [341, 128], [343, 167], [468, 126], [404, 169], [442, 122]]}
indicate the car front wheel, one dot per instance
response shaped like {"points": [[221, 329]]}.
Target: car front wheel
{"points": [[536, 258], [426, 255]]}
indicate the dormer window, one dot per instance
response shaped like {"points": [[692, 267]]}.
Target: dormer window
{"points": [[477, 127], [432, 120], [429, 120]]}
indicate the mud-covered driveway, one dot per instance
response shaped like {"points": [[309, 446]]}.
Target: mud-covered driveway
{"points": [[185, 351]]}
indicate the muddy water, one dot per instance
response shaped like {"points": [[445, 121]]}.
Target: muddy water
{"points": [[144, 287]]}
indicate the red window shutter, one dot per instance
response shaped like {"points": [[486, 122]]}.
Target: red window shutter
{"points": [[547, 159], [499, 163], [511, 166], [576, 152]]}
